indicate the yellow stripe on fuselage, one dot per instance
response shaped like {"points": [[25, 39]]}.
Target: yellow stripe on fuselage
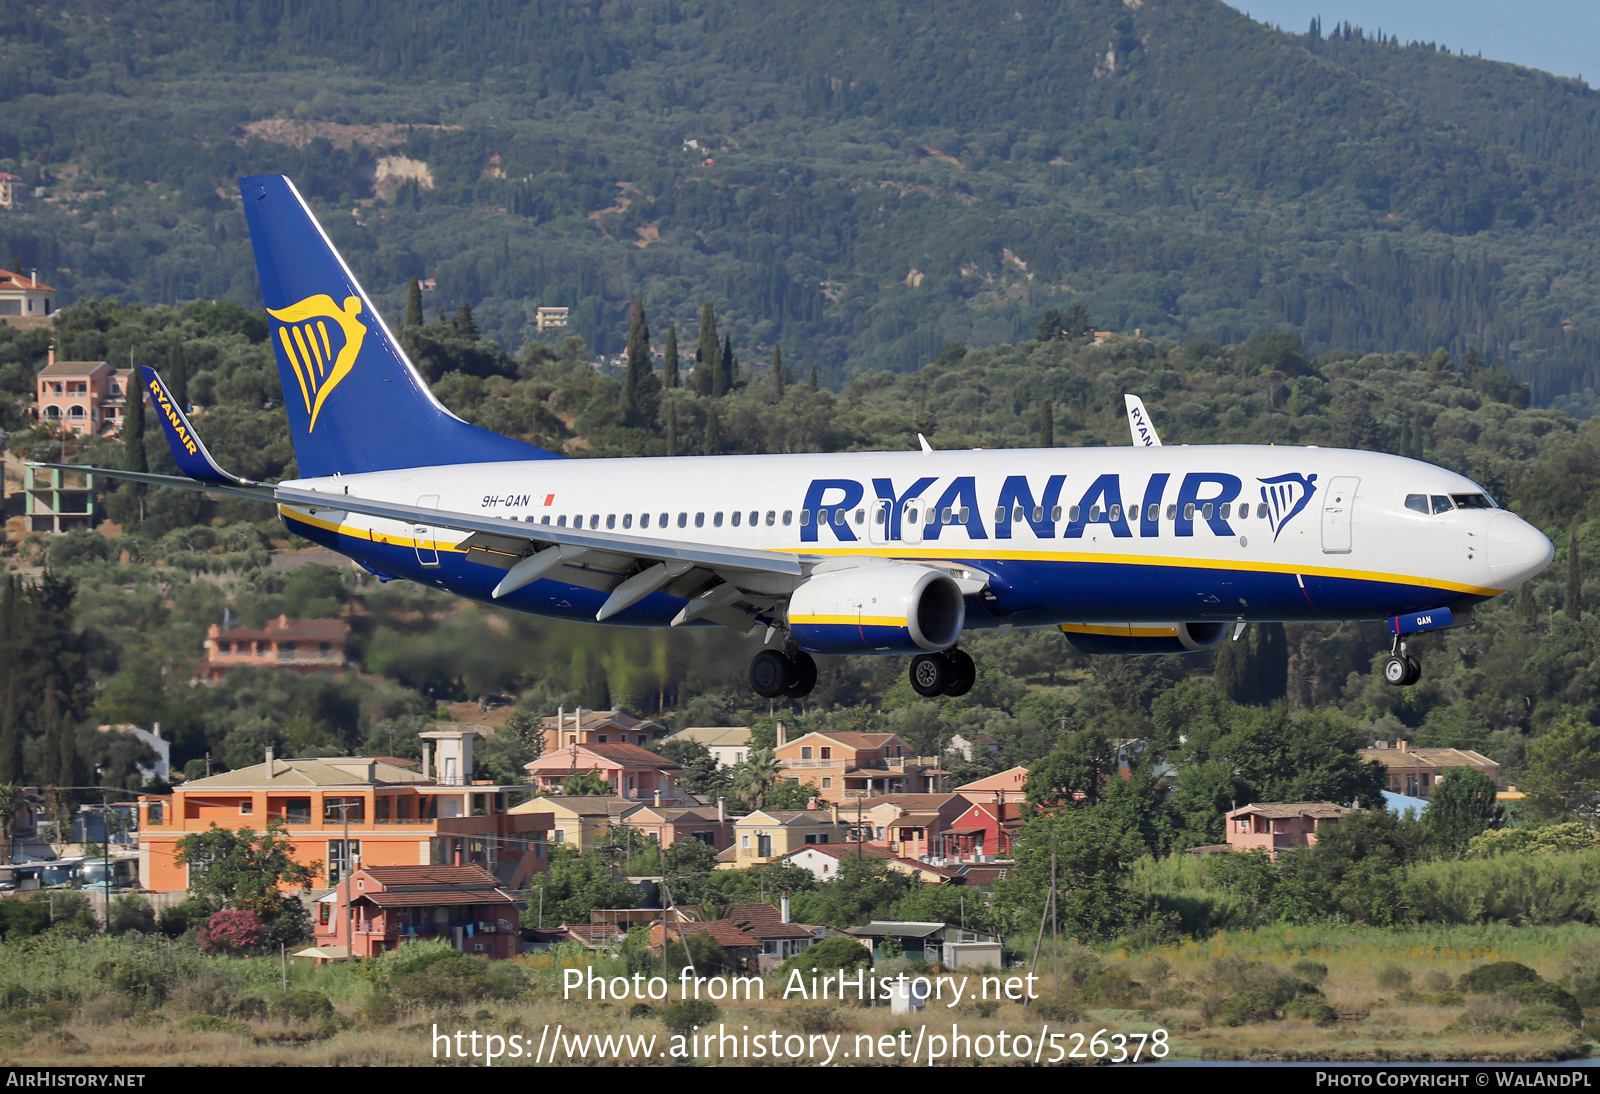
{"points": [[1123, 631], [848, 620], [936, 555]]}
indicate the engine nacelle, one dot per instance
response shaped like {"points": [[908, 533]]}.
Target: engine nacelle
{"points": [[1131, 639], [882, 607]]}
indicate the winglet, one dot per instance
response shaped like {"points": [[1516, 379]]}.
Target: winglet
{"points": [[923, 441], [1144, 434], [187, 448]]}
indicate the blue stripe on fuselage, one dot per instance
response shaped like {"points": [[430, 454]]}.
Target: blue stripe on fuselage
{"points": [[1025, 592]]}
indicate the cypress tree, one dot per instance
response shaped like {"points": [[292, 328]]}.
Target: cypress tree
{"points": [[777, 371], [729, 371], [814, 386], [414, 304], [1047, 424], [466, 325], [641, 391], [713, 432], [669, 360], [133, 455], [10, 737], [707, 354], [672, 428]]}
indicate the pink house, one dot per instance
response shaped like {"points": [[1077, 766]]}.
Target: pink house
{"points": [[1005, 786], [633, 772], [1280, 826], [983, 833]]}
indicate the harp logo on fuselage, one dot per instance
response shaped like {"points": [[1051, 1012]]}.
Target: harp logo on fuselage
{"points": [[321, 340]]}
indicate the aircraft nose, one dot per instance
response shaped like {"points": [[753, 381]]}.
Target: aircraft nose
{"points": [[1517, 551]]}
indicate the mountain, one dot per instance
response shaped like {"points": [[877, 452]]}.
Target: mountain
{"points": [[864, 183]]}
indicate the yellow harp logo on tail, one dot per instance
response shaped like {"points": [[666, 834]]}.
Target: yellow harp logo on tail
{"points": [[320, 362]]}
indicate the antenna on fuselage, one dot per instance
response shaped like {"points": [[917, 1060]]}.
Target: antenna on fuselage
{"points": [[1144, 433]]}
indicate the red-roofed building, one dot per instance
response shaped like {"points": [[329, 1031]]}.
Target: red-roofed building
{"points": [[390, 905], [304, 645], [983, 833], [1281, 826], [633, 772], [599, 727], [25, 302], [742, 948]]}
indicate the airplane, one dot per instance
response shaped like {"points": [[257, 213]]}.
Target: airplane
{"points": [[1141, 550]]}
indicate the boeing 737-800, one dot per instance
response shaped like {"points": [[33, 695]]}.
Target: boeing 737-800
{"points": [[1145, 549]]}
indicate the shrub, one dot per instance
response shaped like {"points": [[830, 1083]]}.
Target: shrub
{"points": [[456, 978], [1393, 977], [830, 955], [179, 919], [815, 1018], [233, 930], [210, 1023], [1437, 981], [1547, 839], [1112, 988], [1055, 1010], [1314, 972], [683, 1015], [1311, 1008], [131, 913], [1487, 979], [305, 1006], [1543, 994]]}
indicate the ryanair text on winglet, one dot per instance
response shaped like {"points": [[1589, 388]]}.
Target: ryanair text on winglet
{"points": [[164, 401]]}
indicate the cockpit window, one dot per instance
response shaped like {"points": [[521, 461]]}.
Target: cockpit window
{"points": [[1417, 502], [1441, 504], [1472, 501]]}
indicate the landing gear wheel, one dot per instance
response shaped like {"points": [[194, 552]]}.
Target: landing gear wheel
{"points": [[931, 674], [804, 675], [770, 674], [963, 673], [1414, 668], [1397, 670]]}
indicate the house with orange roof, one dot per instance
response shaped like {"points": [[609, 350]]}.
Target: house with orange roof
{"points": [[840, 766], [1281, 826], [305, 646], [382, 907], [346, 812], [1001, 787], [742, 949], [634, 773], [25, 301], [908, 825]]}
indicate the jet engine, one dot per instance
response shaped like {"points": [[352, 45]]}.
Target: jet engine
{"points": [[878, 607], [1142, 638]]}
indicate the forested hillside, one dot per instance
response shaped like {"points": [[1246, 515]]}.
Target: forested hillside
{"points": [[861, 184]]}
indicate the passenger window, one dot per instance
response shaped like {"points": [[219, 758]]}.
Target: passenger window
{"points": [[663, 522], [1018, 515], [683, 520], [594, 521], [911, 515], [1188, 512], [1227, 510], [546, 519], [787, 513], [1038, 514], [1074, 513], [771, 514], [737, 516], [949, 517], [611, 522], [561, 522], [1206, 510], [838, 516], [1172, 512], [879, 515], [1094, 514], [1441, 504], [755, 518], [965, 515], [716, 521], [700, 520], [805, 518], [1244, 510], [1417, 503], [1055, 514], [1000, 514], [1261, 511], [627, 520], [644, 520], [861, 516], [1152, 513]]}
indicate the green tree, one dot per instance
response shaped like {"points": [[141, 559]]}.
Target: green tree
{"points": [[414, 316], [701, 774], [641, 390], [12, 798], [728, 372], [1563, 781], [1356, 871], [1074, 773], [779, 379], [1094, 855], [752, 779], [244, 869], [575, 885], [669, 359], [707, 354], [1075, 324], [1047, 424], [1051, 326], [590, 784], [177, 373], [1253, 669], [1461, 807]]}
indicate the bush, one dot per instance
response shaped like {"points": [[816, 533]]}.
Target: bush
{"points": [[1499, 976], [837, 954], [683, 1015], [1543, 994], [233, 930], [131, 913], [210, 1023], [177, 920], [1312, 1008], [1314, 972], [305, 1006], [1393, 977], [1055, 1010], [456, 979], [1547, 839]]}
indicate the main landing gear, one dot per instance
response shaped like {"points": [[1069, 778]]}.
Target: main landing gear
{"points": [[1400, 668], [774, 673], [949, 673]]}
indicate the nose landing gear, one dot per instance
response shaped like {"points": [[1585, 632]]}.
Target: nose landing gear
{"points": [[949, 673], [774, 673], [1400, 668]]}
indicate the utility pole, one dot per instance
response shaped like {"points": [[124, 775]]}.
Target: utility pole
{"points": [[346, 868], [1055, 936]]}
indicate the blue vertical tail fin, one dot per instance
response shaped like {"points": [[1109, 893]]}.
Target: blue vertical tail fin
{"points": [[356, 402]]}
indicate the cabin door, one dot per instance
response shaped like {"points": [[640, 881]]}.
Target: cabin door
{"points": [[1338, 508], [427, 548]]}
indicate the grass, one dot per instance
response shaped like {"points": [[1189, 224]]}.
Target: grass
{"points": [[143, 1003]]}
